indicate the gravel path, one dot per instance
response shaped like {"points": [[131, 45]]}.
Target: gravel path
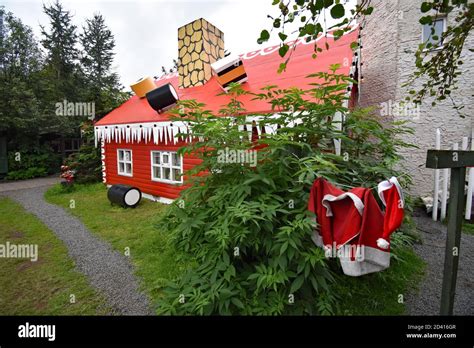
{"points": [[427, 300], [23, 184], [108, 270]]}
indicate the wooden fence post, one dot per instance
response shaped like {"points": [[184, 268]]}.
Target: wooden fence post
{"points": [[470, 185], [436, 183], [457, 161], [453, 239]]}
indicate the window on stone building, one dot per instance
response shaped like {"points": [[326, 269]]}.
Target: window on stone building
{"points": [[432, 33]]}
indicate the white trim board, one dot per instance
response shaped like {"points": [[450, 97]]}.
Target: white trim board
{"points": [[163, 200]]}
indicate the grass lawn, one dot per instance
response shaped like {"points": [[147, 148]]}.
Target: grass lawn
{"points": [[468, 228], [132, 230], [43, 287], [155, 260], [379, 293]]}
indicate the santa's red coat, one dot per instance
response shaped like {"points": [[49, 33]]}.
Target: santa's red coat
{"points": [[352, 226]]}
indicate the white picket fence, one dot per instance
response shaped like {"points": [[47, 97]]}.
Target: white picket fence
{"points": [[442, 177]]}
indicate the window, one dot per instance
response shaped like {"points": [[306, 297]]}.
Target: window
{"points": [[434, 38], [166, 167], [72, 145], [124, 161]]}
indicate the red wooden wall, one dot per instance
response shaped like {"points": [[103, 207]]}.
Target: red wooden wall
{"points": [[141, 162]]}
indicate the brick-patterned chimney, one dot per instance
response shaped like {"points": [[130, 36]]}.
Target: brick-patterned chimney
{"points": [[199, 45]]}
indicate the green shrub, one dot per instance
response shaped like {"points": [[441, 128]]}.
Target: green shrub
{"points": [[246, 228], [67, 187], [28, 162], [29, 173], [86, 163]]}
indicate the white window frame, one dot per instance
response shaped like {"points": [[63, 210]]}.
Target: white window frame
{"points": [[170, 166], [124, 163], [445, 27]]}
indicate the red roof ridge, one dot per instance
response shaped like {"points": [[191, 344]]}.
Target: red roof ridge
{"points": [[261, 71]]}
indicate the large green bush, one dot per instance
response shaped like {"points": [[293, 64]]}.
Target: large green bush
{"points": [[86, 163], [247, 228], [30, 161]]}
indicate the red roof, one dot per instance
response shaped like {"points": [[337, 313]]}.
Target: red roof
{"points": [[261, 67]]}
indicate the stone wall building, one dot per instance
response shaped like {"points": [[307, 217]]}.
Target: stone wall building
{"points": [[390, 38]]}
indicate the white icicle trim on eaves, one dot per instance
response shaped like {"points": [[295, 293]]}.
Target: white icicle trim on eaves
{"points": [[164, 132], [155, 132]]}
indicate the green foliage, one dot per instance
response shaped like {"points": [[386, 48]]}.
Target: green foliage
{"points": [[60, 40], [61, 74], [311, 14], [247, 228], [468, 228], [68, 187], [33, 81], [103, 85], [20, 59], [29, 173], [43, 287], [379, 293], [337, 11], [29, 161], [86, 163], [153, 256], [442, 67]]}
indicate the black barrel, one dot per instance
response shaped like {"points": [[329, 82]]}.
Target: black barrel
{"points": [[124, 195], [162, 97]]}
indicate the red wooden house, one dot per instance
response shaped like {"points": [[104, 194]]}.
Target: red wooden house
{"points": [[138, 143]]}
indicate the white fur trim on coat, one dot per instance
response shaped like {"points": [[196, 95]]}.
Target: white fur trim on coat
{"points": [[330, 198]]}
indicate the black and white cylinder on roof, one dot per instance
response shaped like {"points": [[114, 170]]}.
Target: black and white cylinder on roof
{"points": [[124, 195], [229, 70], [162, 98]]}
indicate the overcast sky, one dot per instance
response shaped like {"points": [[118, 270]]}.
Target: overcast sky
{"points": [[146, 30]]}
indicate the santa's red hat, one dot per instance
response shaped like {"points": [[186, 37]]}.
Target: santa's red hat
{"points": [[391, 195]]}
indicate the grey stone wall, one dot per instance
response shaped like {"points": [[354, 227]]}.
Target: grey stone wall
{"points": [[379, 54], [390, 40]]}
